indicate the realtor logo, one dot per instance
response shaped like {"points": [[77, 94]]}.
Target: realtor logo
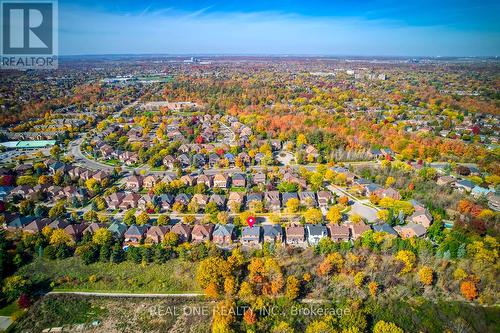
{"points": [[29, 34]]}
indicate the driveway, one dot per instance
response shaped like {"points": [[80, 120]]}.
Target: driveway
{"points": [[5, 322]]}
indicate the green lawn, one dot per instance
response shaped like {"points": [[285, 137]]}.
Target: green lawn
{"points": [[175, 276], [9, 309]]}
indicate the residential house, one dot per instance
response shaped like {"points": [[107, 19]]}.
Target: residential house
{"points": [[129, 158], [239, 180], [251, 235], [183, 231], [213, 160], [189, 180], [221, 180], [100, 176], [135, 234], [287, 196], [295, 235], [272, 233], [372, 188], [478, 192], [169, 161], [244, 158], [494, 202], [201, 200], [118, 229], [253, 198], [75, 231], [19, 222], [357, 229], [93, 227], [384, 228], [410, 230], [339, 232], [291, 178], [204, 179], [156, 233], [422, 217], [388, 193], [219, 200], [259, 178], [308, 199], [131, 200], [464, 185], [36, 226], [166, 201], [417, 206], [445, 180], [230, 158], [223, 234], [325, 198], [134, 183], [198, 160], [184, 160], [149, 182], [147, 201], [167, 179], [235, 199], [58, 224], [202, 232], [114, 200], [272, 200], [183, 198], [315, 232]]}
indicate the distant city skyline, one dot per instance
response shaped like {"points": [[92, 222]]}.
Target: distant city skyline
{"points": [[337, 28]]}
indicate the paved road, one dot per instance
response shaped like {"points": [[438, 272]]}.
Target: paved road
{"points": [[75, 150], [104, 294], [359, 207], [228, 139]]}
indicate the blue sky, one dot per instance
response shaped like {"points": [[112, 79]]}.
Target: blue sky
{"points": [[308, 27]]}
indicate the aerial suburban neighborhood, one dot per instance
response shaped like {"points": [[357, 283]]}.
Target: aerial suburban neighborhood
{"points": [[263, 193]]}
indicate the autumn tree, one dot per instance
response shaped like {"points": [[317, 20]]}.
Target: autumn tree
{"points": [[292, 287], [59, 237], [292, 205], [373, 288], [249, 317], [319, 326], [332, 263], [224, 316], [212, 272], [313, 215], [468, 289], [142, 218], [359, 279], [386, 327], [408, 258], [171, 239], [334, 215], [425, 275], [102, 236]]}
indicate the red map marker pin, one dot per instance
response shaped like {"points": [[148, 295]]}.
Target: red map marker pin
{"points": [[251, 221]]}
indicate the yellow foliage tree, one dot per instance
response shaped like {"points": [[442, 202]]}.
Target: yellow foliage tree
{"points": [[292, 287], [386, 327], [334, 215], [425, 275], [408, 258], [59, 237]]}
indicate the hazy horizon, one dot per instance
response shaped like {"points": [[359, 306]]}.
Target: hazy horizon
{"points": [[365, 28]]}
